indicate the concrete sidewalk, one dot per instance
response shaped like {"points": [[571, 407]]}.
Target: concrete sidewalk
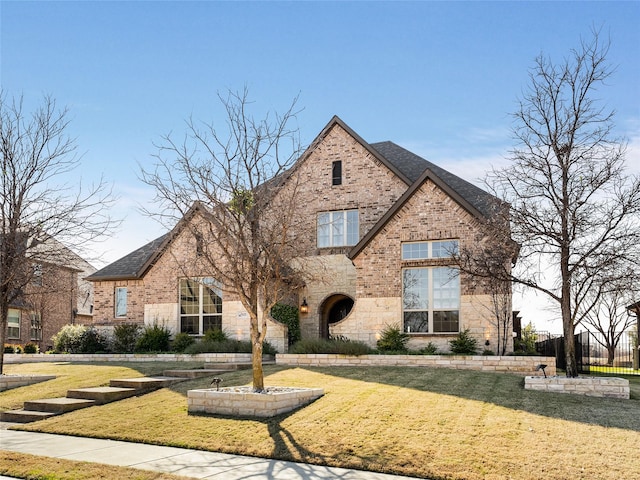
{"points": [[178, 461]]}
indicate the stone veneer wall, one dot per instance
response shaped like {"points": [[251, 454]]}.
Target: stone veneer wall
{"points": [[14, 381], [129, 357], [509, 364], [590, 386], [229, 402]]}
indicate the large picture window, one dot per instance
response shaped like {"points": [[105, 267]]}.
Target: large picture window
{"points": [[121, 302], [13, 323], [431, 300], [338, 229], [200, 305]]}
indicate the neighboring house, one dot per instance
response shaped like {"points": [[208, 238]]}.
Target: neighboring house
{"points": [[384, 221], [57, 295]]}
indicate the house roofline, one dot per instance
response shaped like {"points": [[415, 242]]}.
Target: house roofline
{"points": [[335, 120], [391, 213]]}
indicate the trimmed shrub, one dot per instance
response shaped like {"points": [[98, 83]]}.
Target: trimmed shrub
{"points": [[9, 349], [125, 337], [215, 335], [154, 339], [181, 342], [79, 339], [429, 349], [393, 339], [464, 344], [228, 346], [31, 348], [288, 315], [69, 339], [340, 346], [92, 341]]}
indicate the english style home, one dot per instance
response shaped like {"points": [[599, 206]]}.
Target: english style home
{"points": [[385, 224]]}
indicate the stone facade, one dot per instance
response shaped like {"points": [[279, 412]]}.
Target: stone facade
{"points": [[352, 291]]}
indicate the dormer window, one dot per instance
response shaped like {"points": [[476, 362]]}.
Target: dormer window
{"points": [[336, 172]]}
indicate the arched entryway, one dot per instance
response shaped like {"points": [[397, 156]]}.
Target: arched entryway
{"points": [[333, 309]]}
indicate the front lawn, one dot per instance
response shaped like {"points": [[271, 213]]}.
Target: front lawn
{"points": [[433, 423]]}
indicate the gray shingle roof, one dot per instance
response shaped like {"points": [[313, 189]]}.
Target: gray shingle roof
{"points": [[131, 265], [412, 166]]}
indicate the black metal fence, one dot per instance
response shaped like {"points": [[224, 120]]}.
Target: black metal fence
{"points": [[593, 353]]}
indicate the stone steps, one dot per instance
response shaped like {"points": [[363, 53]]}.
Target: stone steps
{"points": [[102, 395], [57, 405], [145, 383], [118, 389], [25, 416], [198, 373]]}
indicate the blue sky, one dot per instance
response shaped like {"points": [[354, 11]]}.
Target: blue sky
{"points": [[439, 78]]}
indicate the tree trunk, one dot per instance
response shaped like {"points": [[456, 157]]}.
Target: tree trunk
{"points": [[611, 355], [569, 341], [256, 361], [4, 315]]}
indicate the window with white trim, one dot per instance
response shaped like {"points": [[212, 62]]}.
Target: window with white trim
{"points": [[13, 324], [431, 300], [338, 229], [200, 305], [121, 302], [428, 250]]}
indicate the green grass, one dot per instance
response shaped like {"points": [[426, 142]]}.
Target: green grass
{"points": [[432, 423]]}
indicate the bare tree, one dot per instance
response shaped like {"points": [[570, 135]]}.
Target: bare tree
{"points": [[574, 210], [241, 192], [43, 218], [501, 312], [606, 311]]}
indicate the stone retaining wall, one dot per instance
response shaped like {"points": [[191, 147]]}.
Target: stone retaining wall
{"points": [[129, 357], [589, 386], [15, 381], [238, 403], [525, 365]]}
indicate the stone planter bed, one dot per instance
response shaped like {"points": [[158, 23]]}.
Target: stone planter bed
{"points": [[242, 401], [590, 386]]}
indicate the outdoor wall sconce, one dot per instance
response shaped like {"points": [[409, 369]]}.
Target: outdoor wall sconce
{"points": [[487, 342], [304, 307]]}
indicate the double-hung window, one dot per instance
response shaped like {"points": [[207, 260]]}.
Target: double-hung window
{"points": [[121, 302], [200, 305], [13, 323], [338, 229], [430, 293]]}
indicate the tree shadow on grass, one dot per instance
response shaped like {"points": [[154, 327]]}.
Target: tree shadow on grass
{"points": [[501, 389]]}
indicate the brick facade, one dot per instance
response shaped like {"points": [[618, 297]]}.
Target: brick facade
{"points": [[370, 279], [54, 299]]}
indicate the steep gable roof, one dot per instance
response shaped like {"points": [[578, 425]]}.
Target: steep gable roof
{"points": [[412, 169], [375, 153], [426, 175], [414, 166]]}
